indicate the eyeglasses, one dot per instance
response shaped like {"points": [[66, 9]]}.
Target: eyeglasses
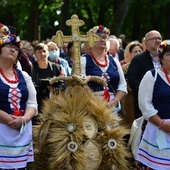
{"points": [[154, 39], [11, 46], [137, 51]]}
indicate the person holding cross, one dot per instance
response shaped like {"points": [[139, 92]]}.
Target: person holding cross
{"points": [[99, 63]]}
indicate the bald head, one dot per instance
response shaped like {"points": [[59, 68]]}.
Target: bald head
{"points": [[152, 33], [152, 41]]}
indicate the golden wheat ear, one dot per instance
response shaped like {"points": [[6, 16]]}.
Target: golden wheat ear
{"points": [[96, 79], [68, 80]]}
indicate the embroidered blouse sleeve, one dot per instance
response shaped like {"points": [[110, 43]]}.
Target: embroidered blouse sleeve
{"points": [[122, 83], [145, 95], [32, 100], [83, 65]]}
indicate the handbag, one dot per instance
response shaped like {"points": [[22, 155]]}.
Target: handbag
{"points": [[135, 135]]}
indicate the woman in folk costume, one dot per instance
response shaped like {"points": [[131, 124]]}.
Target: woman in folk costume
{"points": [[154, 102], [98, 63], [17, 106]]}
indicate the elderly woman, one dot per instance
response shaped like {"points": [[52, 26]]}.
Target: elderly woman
{"points": [[17, 107], [54, 56], [154, 102], [132, 49], [99, 63]]}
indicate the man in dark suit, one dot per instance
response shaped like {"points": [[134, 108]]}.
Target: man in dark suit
{"points": [[141, 63], [120, 53], [114, 49]]}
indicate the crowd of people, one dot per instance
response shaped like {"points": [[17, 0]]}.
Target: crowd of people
{"points": [[137, 76]]}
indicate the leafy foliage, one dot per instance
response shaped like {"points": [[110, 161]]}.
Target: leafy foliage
{"points": [[36, 19]]}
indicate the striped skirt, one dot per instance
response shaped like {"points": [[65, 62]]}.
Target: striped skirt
{"points": [[154, 148], [16, 149]]}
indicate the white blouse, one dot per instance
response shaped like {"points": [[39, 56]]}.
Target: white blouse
{"points": [[145, 93], [122, 83]]}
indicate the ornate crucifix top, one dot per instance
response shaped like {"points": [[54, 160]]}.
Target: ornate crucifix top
{"points": [[76, 38]]}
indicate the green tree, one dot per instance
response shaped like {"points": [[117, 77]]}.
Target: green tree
{"points": [[35, 19]]}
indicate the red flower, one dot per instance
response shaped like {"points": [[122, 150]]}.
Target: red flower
{"points": [[101, 27]]}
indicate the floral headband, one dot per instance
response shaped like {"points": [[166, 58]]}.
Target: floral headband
{"points": [[162, 47], [101, 29], [11, 39], [4, 29]]}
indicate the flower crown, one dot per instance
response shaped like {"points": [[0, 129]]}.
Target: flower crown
{"points": [[11, 39], [5, 29], [162, 47], [101, 29]]}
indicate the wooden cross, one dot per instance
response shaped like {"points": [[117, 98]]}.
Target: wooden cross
{"points": [[76, 38]]}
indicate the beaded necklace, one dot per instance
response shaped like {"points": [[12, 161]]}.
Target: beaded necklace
{"points": [[8, 80], [166, 75], [98, 62]]}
